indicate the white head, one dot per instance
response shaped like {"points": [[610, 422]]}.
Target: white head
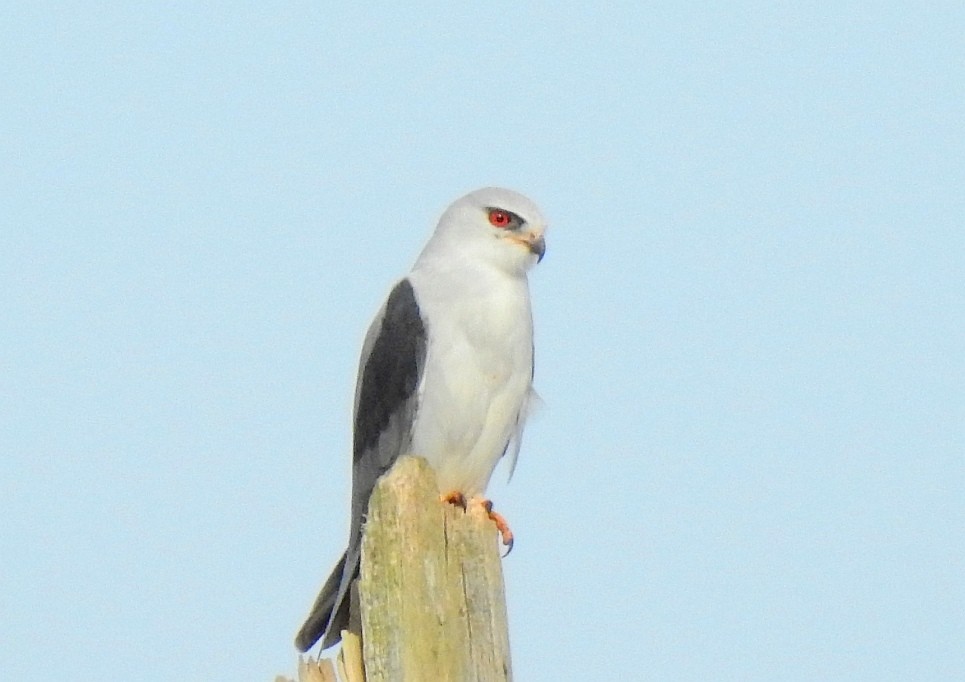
{"points": [[492, 225]]}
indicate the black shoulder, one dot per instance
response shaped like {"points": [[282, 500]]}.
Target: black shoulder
{"points": [[390, 374]]}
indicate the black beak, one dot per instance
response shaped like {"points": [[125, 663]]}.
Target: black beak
{"points": [[538, 246]]}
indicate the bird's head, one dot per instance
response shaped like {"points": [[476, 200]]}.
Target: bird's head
{"points": [[497, 226]]}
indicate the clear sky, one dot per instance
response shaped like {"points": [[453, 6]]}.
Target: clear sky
{"points": [[750, 324]]}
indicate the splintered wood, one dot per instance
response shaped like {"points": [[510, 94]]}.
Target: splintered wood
{"points": [[348, 663]]}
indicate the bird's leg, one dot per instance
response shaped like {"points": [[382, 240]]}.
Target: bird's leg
{"points": [[501, 525]]}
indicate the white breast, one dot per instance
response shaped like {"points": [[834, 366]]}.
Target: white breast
{"points": [[477, 375]]}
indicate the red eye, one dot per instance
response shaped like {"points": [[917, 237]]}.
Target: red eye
{"points": [[500, 218]]}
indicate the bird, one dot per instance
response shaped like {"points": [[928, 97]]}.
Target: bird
{"points": [[445, 373]]}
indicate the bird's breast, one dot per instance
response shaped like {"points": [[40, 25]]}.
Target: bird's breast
{"points": [[476, 378]]}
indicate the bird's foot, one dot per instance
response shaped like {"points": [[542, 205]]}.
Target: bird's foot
{"points": [[501, 524], [458, 499], [455, 498]]}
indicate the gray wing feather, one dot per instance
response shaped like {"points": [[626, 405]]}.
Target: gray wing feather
{"points": [[386, 400]]}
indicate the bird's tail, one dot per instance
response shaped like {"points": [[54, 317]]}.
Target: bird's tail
{"points": [[321, 614]]}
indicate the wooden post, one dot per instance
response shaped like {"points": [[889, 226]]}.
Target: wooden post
{"points": [[430, 592], [431, 588]]}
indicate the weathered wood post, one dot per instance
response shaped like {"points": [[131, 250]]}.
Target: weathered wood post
{"points": [[431, 590]]}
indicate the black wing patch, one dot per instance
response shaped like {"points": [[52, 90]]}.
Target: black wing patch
{"points": [[391, 373]]}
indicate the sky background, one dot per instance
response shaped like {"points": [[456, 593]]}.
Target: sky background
{"points": [[750, 325]]}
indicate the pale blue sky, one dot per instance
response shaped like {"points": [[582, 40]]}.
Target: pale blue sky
{"points": [[750, 325]]}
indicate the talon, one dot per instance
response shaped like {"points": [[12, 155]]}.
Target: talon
{"points": [[501, 525], [455, 498]]}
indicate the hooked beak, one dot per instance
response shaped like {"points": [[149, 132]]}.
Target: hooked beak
{"points": [[537, 245], [531, 241]]}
